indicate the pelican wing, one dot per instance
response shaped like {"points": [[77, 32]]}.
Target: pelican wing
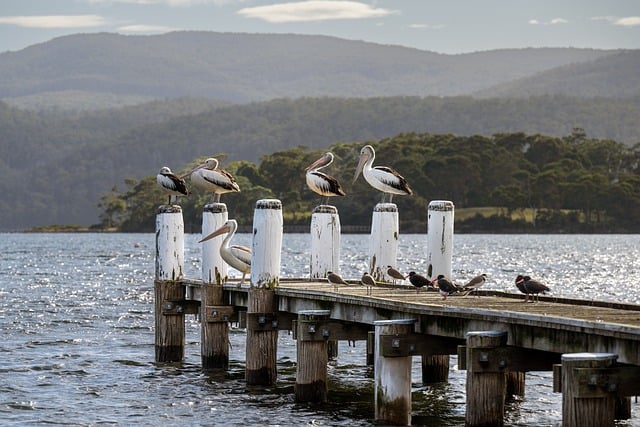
{"points": [[391, 178], [324, 184], [172, 182], [221, 178], [243, 253]]}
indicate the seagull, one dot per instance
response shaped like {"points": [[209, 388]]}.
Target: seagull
{"points": [[475, 284], [417, 280], [335, 280], [172, 184], [367, 280], [381, 178], [321, 183], [394, 274], [238, 257], [446, 286], [218, 181], [527, 286]]}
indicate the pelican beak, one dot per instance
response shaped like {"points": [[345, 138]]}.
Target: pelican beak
{"points": [[219, 231], [193, 170], [322, 161], [363, 160]]}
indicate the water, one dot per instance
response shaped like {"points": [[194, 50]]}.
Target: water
{"points": [[76, 313]]}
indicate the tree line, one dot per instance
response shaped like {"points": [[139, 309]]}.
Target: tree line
{"points": [[570, 184]]}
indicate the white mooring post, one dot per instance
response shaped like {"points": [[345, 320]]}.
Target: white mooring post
{"points": [[392, 392], [439, 238], [214, 215], [325, 241], [262, 321], [383, 249], [168, 291]]}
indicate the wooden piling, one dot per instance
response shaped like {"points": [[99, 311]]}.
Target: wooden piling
{"points": [[168, 291], [486, 382], [383, 249], [515, 384], [312, 357], [440, 215], [332, 349], [583, 406], [392, 392], [435, 368], [262, 323], [325, 241]]}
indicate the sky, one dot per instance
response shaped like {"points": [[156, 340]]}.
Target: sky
{"points": [[443, 26]]}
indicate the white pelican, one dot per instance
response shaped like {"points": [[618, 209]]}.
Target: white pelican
{"points": [[208, 177], [381, 178], [238, 257], [321, 183], [171, 184]]}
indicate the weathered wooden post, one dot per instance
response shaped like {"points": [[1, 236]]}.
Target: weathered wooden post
{"points": [[392, 374], [515, 383], [312, 356], [435, 368], [325, 241], [582, 406], [168, 291], [214, 340], [486, 382], [383, 249], [262, 322], [439, 238]]}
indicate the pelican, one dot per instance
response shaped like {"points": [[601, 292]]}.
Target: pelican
{"points": [[321, 183], [368, 281], [381, 178], [238, 257], [475, 284], [172, 184], [218, 181], [394, 274]]}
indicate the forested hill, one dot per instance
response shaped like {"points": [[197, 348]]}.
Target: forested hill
{"points": [[253, 67]]}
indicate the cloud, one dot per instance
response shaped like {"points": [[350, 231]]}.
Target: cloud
{"points": [[55, 21], [629, 21], [314, 10], [146, 29], [426, 26], [172, 3], [554, 21]]}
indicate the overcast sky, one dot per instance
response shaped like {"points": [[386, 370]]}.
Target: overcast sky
{"points": [[445, 26]]}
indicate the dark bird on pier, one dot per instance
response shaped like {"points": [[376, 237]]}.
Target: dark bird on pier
{"points": [[321, 183], [368, 281], [238, 257], [335, 280], [529, 286], [475, 284], [172, 184], [208, 177], [381, 178], [394, 274], [446, 286], [418, 281]]}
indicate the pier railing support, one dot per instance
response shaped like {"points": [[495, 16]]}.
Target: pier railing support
{"points": [[312, 356], [262, 332], [486, 381], [325, 241], [168, 291], [392, 392], [440, 215], [384, 240]]}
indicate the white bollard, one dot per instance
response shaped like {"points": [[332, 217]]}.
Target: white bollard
{"points": [[169, 243], [383, 249], [439, 238], [214, 215], [325, 241], [267, 244]]}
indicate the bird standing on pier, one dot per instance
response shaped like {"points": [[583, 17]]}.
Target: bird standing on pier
{"points": [[475, 284], [418, 281], [368, 281], [238, 257], [335, 280], [528, 286], [218, 181], [394, 274], [446, 286], [381, 178], [172, 184], [321, 183]]}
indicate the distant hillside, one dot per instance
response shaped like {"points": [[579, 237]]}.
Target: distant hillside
{"points": [[254, 67], [614, 76]]}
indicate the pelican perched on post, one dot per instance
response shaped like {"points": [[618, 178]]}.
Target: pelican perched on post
{"points": [[218, 181], [381, 178], [321, 183], [172, 184], [238, 257]]}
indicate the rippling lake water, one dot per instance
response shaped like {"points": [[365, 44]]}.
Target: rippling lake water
{"points": [[76, 313]]}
